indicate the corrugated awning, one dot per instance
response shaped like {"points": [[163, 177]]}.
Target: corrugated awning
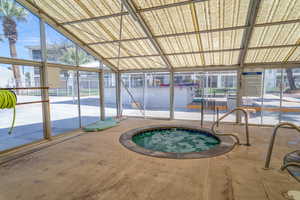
{"points": [[160, 34]]}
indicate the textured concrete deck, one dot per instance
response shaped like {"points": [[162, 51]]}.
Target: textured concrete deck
{"points": [[95, 166]]}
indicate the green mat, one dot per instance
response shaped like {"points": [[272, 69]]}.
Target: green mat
{"points": [[101, 125]]}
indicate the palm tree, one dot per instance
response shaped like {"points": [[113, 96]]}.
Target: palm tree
{"points": [[69, 56], [10, 14]]}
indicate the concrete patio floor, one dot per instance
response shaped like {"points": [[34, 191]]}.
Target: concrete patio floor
{"points": [[96, 166]]}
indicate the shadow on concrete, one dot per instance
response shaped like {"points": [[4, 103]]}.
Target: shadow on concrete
{"points": [[32, 132]]}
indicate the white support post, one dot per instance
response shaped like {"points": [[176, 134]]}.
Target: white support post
{"points": [[262, 97], [119, 94], [281, 95], [239, 95], [78, 86], [44, 83], [101, 93], [145, 95], [171, 95]]}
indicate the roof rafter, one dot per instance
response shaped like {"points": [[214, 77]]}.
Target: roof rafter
{"points": [[207, 51], [174, 34], [43, 15], [269, 65], [137, 10], [197, 32], [175, 54], [139, 19], [251, 19]]}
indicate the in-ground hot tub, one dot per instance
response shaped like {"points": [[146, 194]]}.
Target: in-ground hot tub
{"points": [[176, 141]]}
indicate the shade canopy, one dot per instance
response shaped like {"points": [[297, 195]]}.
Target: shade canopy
{"points": [[179, 34]]}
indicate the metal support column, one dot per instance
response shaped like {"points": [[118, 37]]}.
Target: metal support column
{"points": [[101, 93], [118, 94], [145, 94], [281, 95], [44, 83], [262, 97], [171, 95], [239, 95], [78, 86]]}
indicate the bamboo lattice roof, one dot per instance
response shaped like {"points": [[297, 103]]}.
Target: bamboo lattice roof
{"points": [[182, 33]]}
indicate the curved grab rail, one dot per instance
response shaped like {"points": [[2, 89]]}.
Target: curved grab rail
{"points": [[213, 127], [270, 149], [290, 164]]}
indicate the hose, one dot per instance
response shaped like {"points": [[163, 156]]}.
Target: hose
{"points": [[8, 99]]}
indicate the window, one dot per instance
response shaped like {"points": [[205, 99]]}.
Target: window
{"points": [[290, 110], [228, 81], [133, 94], [137, 80], [64, 103], [212, 82], [86, 60], [210, 89], [29, 120], [187, 92], [271, 97], [19, 41], [59, 49], [157, 95], [110, 94], [89, 97]]}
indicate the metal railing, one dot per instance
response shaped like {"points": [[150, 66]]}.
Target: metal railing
{"points": [[271, 145], [28, 88], [289, 164], [211, 105], [214, 125], [138, 106]]}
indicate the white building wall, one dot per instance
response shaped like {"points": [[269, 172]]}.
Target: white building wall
{"points": [[156, 97], [6, 77]]}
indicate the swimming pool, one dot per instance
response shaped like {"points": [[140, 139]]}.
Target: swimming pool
{"points": [[180, 141]]}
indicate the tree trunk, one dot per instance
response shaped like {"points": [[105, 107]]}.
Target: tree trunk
{"points": [[10, 32], [291, 80], [15, 68]]}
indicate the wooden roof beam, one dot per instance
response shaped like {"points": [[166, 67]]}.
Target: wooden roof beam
{"points": [[207, 51], [137, 10], [202, 31], [270, 65], [176, 54], [139, 19], [251, 19]]}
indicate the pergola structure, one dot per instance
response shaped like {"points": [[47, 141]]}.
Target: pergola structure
{"points": [[188, 43], [170, 36], [179, 35]]}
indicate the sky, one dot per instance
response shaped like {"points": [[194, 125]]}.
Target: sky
{"points": [[28, 35]]}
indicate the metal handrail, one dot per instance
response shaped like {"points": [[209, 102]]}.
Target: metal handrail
{"points": [[213, 127], [270, 149], [132, 97], [31, 102], [26, 88], [289, 164]]}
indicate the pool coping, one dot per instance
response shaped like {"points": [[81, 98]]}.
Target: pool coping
{"points": [[227, 143]]}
